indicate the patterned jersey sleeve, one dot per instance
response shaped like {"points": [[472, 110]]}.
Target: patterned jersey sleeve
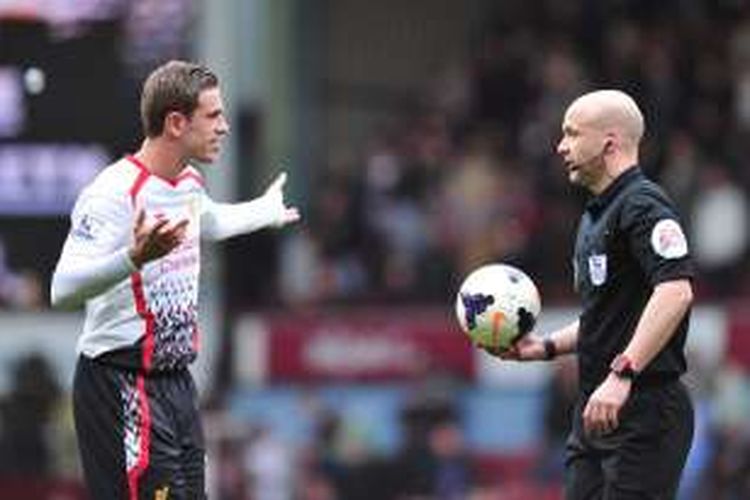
{"points": [[95, 254], [656, 237]]}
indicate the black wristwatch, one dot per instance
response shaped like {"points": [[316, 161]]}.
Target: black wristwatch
{"points": [[622, 366]]}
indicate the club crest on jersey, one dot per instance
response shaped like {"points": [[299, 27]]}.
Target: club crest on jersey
{"points": [[668, 240], [598, 269]]}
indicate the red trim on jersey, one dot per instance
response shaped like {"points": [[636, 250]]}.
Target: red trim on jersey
{"points": [[147, 349], [144, 455], [191, 174], [188, 173], [136, 284], [138, 184]]}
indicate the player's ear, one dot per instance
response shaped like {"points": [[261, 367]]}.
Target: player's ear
{"points": [[175, 124]]}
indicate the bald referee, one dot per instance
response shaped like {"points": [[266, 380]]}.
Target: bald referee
{"points": [[633, 422]]}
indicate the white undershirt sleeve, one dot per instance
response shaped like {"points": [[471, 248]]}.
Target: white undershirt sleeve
{"points": [[95, 255], [224, 220]]}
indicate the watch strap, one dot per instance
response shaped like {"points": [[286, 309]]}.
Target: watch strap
{"points": [[550, 349], [623, 367]]}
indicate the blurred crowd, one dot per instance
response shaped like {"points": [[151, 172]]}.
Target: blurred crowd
{"points": [[469, 174], [335, 459]]}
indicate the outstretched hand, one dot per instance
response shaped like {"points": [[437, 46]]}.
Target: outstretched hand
{"points": [[151, 242], [275, 193]]}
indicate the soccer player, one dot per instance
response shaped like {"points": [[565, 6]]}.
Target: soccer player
{"points": [[132, 257], [633, 422]]}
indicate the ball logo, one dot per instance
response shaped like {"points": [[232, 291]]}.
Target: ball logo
{"points": [[475, 304]]}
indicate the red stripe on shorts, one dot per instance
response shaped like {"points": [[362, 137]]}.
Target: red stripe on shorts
{"points": [[134, 474]]}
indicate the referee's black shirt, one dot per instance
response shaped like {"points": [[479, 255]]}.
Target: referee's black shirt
{"points": [[629, 240]]}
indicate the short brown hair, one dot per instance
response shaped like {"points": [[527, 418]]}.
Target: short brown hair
{"points": [[173, 86]]}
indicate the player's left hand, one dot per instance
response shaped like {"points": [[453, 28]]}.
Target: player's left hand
{"points": [[602, 412], [275, 194]]}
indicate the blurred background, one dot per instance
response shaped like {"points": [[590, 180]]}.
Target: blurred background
{"points": [[419, 136]]}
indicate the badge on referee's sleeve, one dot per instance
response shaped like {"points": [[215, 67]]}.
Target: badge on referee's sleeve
{"points": [[668, 240]]}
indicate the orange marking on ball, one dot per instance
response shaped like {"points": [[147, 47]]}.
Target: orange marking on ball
{"points": [[497, 322]]}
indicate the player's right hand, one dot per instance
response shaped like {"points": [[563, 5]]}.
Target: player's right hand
{"points": [[528, 348], [151, 242]]}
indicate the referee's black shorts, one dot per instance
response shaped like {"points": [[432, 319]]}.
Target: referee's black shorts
{"points": [[139, 436], [643, 458]]}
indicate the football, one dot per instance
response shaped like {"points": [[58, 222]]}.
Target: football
{"points": [[497, 304]]}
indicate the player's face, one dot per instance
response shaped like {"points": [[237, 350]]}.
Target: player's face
{"points": [[582, 149], [206, 128]]}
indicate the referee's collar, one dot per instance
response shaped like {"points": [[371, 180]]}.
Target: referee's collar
{"points": [[598, 203]]}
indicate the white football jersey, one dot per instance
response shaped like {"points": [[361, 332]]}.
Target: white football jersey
{"points": [[147, 318]]}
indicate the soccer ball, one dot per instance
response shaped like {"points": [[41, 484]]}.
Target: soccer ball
{"points": [[496, 305]]}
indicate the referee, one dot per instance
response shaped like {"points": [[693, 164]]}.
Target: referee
{"points": [[633, 421]]}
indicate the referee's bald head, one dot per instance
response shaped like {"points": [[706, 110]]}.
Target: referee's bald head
{"points": [[612, 111]]}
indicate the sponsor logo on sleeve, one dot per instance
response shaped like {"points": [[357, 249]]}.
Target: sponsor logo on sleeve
{"points": [[86, 227], [668, 240]]}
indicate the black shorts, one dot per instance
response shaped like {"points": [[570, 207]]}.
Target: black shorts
{"points": [[643, 458], [139, 436]]}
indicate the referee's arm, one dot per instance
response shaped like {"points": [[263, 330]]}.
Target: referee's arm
{"points": [[565, 340], [664, 310]]}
